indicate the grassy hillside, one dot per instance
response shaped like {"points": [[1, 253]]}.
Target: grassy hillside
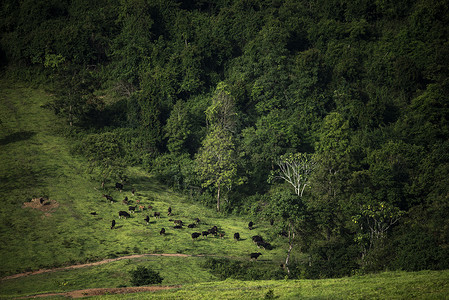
{"points": [[36, 162]]}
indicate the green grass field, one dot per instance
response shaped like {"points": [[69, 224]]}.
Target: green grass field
{"points": [[36, 162]]}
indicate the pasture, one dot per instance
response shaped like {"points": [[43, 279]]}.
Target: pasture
{"points": [[62, 231]]}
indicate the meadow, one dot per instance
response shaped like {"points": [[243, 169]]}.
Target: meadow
{"points": [[36, 162]]}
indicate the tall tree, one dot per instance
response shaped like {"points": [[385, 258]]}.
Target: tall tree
{"points": [[216, 160]]}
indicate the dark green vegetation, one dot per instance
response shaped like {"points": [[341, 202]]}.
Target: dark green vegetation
{"points": [[330, 118], [144, 276]]}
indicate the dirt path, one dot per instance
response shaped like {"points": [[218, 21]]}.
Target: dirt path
{"points": [[104, 291], [101, 262]]}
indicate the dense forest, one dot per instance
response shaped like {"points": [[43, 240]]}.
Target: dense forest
{"points": [[329, 118]]}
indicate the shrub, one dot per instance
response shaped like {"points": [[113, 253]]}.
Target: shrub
{"points": [[144, 276]]}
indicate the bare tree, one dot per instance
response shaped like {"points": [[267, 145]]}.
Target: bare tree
{"points": [[296, 169]]}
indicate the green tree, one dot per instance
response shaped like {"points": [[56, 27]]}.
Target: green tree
{"points": [[178, 128], [104, 153], [216, 159], [333, 157]]}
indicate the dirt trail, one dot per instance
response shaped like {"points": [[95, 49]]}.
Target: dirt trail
{"points": [[104, 291], [101, 262]]}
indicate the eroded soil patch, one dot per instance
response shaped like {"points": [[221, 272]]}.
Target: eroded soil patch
{"points": [[47, 206]]}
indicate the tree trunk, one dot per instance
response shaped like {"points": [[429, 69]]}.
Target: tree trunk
{"points": [[291, 235]]}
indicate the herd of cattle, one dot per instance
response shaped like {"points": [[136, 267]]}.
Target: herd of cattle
{"points": [[178, 224]]}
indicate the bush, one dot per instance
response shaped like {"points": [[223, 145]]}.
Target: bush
{"points": [[144, 276]]}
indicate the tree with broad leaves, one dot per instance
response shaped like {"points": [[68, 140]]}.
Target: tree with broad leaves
{"points": [[217, 160]]}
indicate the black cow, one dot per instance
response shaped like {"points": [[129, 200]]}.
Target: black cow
{"points": [[264, 245], [250, 225], [113, 224], [133, 191], [177, 227], [236, 236], [213, 230], [205, 233], [132, 209], [195, 235], [41, 200], [191, 225], [119, 186], [157, 214], [179, 222], [109, 198], [125, 201], [147, 219], [257, 239], [169, 211], [255, 255], [123, 214], [94, 213], [162, 232], [197, 220]]}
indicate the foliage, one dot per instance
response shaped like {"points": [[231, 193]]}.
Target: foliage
{"points": [[225, 268], [144, 276], [210, 94]]}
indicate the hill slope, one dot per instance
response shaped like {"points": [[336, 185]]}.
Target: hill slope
{"points": [[36, 162]]}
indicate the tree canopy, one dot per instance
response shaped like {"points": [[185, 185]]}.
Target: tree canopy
{"points": [[216, 97]]}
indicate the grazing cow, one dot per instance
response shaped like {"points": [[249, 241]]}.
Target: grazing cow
{"points": [[119, 186], [221, 235], [169, 211], [131, 209], [109, 198], [94, 213], [157, 215], [125, 201], [123, 214], [147, 219], [213, 230], [204, 233], [177, 227], [236, 236], [113, 224], [197, 220], [179, 222], [250, 225], [41, 200], [255, 255], [191, 225], [195, 235], [257, 238], [162, 232], [141, 207]]}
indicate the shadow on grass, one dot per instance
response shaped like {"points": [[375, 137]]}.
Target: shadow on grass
{"points": [[17, 137]]}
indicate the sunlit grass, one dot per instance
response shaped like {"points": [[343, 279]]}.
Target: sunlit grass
{"points": [[36, 162]]}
